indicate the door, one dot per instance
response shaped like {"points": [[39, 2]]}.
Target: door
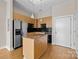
{"points": [[63, 31]]}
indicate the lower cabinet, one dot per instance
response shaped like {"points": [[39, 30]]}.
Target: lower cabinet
{"points": [[34, 48]]}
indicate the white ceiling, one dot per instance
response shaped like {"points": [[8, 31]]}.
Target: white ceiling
{"points": [[40, 8]]}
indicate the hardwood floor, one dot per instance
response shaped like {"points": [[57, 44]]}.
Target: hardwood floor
{"points": [[59, 52], [53, 52]]}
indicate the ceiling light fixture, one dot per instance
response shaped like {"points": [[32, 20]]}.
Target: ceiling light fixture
{"points": [[32, 16]]}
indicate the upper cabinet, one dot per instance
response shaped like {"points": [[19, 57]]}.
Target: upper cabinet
{"points": [[24, 18], [45, 20], [38, 23]]}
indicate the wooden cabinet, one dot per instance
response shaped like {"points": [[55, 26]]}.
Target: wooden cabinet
{"points": [[40, 46], [37, 22], [45, 20], [24, 18], [35, 46]]}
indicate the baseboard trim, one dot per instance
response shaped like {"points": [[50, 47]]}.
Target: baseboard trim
{"points": [[2, 47], [64, 46], [9, 49]]}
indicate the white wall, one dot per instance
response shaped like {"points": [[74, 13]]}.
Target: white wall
{"points": [[24, 28], [19, 11], [75, 36], [2, 25], [66, 8], [9, 18], [69, 7], [18, 8]]}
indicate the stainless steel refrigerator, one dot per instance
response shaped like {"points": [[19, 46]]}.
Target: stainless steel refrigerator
{"points": [[19, 30]]}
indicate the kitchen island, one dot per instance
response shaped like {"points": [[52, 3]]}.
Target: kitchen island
{"points": [[34, 45]]}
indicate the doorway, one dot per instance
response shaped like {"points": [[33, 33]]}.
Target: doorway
{"points": [[63, 31]]}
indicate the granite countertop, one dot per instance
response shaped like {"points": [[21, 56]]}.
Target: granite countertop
{"points": [[35, 35]]}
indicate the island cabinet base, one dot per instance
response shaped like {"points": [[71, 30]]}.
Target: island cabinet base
{"points": [[33, 48]]}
